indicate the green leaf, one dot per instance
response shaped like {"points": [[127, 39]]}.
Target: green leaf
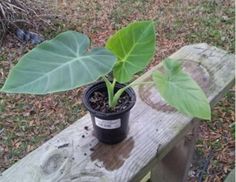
{"points": [[181, 91], [61, 64], [134, 46], [172, 67]]}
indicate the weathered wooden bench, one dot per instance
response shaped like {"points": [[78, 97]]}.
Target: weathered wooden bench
{"points": [[158, 140], [231, 176]]}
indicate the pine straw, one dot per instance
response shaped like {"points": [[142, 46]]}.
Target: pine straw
{"points": [[18, 13]]}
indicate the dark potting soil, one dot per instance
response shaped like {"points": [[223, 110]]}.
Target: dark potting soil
{"points": [[99, 102]]}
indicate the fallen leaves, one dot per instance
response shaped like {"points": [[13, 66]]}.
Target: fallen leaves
{"points": [[217, 137]]}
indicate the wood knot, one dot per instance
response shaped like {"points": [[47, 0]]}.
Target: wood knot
{"points": [[52, 163], [56, 163]]}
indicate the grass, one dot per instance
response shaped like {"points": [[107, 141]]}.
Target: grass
{"points": [[28, 121]]}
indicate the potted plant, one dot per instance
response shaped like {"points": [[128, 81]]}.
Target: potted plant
{"points": [[66, 63]]}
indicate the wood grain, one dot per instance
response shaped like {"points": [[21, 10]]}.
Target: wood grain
{"points": [[75, 155], [174, 167]]}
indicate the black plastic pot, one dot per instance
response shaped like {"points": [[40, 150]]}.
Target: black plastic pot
{"points": [[110, 128]]}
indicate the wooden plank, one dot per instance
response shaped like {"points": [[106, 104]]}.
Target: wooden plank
{"points": [[75, 155], [175, 165], [231, 176], [147, 177]]}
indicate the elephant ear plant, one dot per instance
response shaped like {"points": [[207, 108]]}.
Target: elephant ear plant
{"points": [[66, 63]]}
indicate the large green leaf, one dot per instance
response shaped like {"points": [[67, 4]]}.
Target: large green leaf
{"points": [[181, 91], [134, 46], [60, 64]]}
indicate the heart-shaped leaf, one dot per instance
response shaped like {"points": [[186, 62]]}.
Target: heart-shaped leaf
{"points": [[134, 46], [60, 64], [181, 91]]}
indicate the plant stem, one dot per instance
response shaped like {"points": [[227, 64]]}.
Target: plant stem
{"points": [[110, 90], [117, 96], [114, 83], [113, 98], [120, 91], [140, 83]]}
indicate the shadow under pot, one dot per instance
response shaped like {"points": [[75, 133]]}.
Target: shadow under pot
{"points": [[110, 126]]}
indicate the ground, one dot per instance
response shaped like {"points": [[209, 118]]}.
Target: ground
{"points": [[28, 121]]}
